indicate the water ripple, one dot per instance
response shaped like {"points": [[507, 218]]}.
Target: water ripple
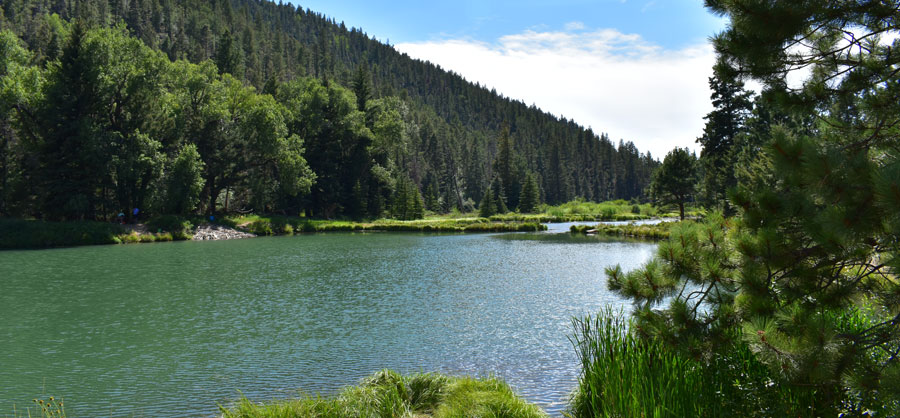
{"points": [[173, 329]]}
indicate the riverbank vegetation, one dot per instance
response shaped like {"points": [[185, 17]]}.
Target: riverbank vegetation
{"points": [[784, 302], [21, 234], [653, 232], [280, 225], [625, 374], [387, 394]]}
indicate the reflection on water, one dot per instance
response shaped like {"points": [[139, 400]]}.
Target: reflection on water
{"points": [[172, 329]]}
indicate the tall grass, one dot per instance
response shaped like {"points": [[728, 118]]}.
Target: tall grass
{"points": [[624, 376], [627, 376], [387, 394]]}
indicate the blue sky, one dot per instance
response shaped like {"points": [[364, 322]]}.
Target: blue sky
{"points": [[668, 23], [634, 69]]}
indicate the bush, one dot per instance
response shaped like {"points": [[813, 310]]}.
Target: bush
{"points": [[261, 227], [170, 223], [24, 234]]}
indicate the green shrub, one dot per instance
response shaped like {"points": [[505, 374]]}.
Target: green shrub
{"points": [[165, 236], [132, 238], [170, 223], [24, 234], [261, 227]]}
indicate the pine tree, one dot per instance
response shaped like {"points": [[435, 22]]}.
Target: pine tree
{"points": [[417, 206], [503, 166], [674, 182], [487, 208], [732, 107], [362, 87], [530, 195], [806, 277], [71, 156], [228, 56], [499, 196]]}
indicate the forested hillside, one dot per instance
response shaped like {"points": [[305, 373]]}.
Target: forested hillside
{"points": [[369, 121]]}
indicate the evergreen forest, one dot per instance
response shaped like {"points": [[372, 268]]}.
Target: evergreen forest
{"points": [[210, 106]]}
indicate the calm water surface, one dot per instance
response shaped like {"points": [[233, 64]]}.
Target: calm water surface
{"points": [[173, 329]]}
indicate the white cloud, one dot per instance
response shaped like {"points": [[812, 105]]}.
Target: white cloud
{"points": [[614, 82], [574, 26]]}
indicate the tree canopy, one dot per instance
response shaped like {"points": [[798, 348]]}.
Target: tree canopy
{"points": [[806, 276], [423, 122], [675, 181]]}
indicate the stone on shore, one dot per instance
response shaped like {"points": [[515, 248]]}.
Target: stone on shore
{"points": [[218, 232]]}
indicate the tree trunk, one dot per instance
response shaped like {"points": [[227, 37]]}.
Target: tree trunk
{"points": [[681, 209]]}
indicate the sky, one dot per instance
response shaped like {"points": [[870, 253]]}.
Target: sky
{"points": [[634, 69]]}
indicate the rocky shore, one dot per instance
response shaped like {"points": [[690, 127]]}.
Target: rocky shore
{"points": [[218, 232]]}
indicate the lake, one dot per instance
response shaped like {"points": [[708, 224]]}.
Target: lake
{"points": [[174, 329]]}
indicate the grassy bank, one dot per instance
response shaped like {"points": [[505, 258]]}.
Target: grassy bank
{"points": [[281, 225], [655, 232], [388, 394], [35, 234], [614, 210]]}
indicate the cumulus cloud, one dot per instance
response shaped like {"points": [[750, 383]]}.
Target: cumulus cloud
{"points": [[614, 82]]}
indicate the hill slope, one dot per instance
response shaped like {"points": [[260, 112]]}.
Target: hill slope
{"points": [[452, 140]]}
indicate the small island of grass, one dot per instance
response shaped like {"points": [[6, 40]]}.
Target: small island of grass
{"points": [[389, 394]]}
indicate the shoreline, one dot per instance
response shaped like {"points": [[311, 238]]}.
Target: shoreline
{"points": [[21, 234]]}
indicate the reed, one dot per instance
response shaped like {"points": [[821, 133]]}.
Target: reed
{"points": [[624, 376]]}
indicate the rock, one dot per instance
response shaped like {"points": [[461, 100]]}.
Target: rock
{"points": [[218, 232]]}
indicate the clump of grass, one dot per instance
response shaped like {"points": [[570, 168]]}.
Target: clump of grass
{"points": [[654, 232], [625, 376], [131, 238], [165, 236], [389, 394]]}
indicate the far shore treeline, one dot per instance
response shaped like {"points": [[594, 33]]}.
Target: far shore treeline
{"points": [[203, 107]]}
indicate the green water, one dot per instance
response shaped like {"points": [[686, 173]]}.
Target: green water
{"points": [[173, 329]]}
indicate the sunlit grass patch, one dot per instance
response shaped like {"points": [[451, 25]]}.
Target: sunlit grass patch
{"points": [[389, 394]]}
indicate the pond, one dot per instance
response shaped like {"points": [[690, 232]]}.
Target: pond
{"points": [[175, 329]]}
